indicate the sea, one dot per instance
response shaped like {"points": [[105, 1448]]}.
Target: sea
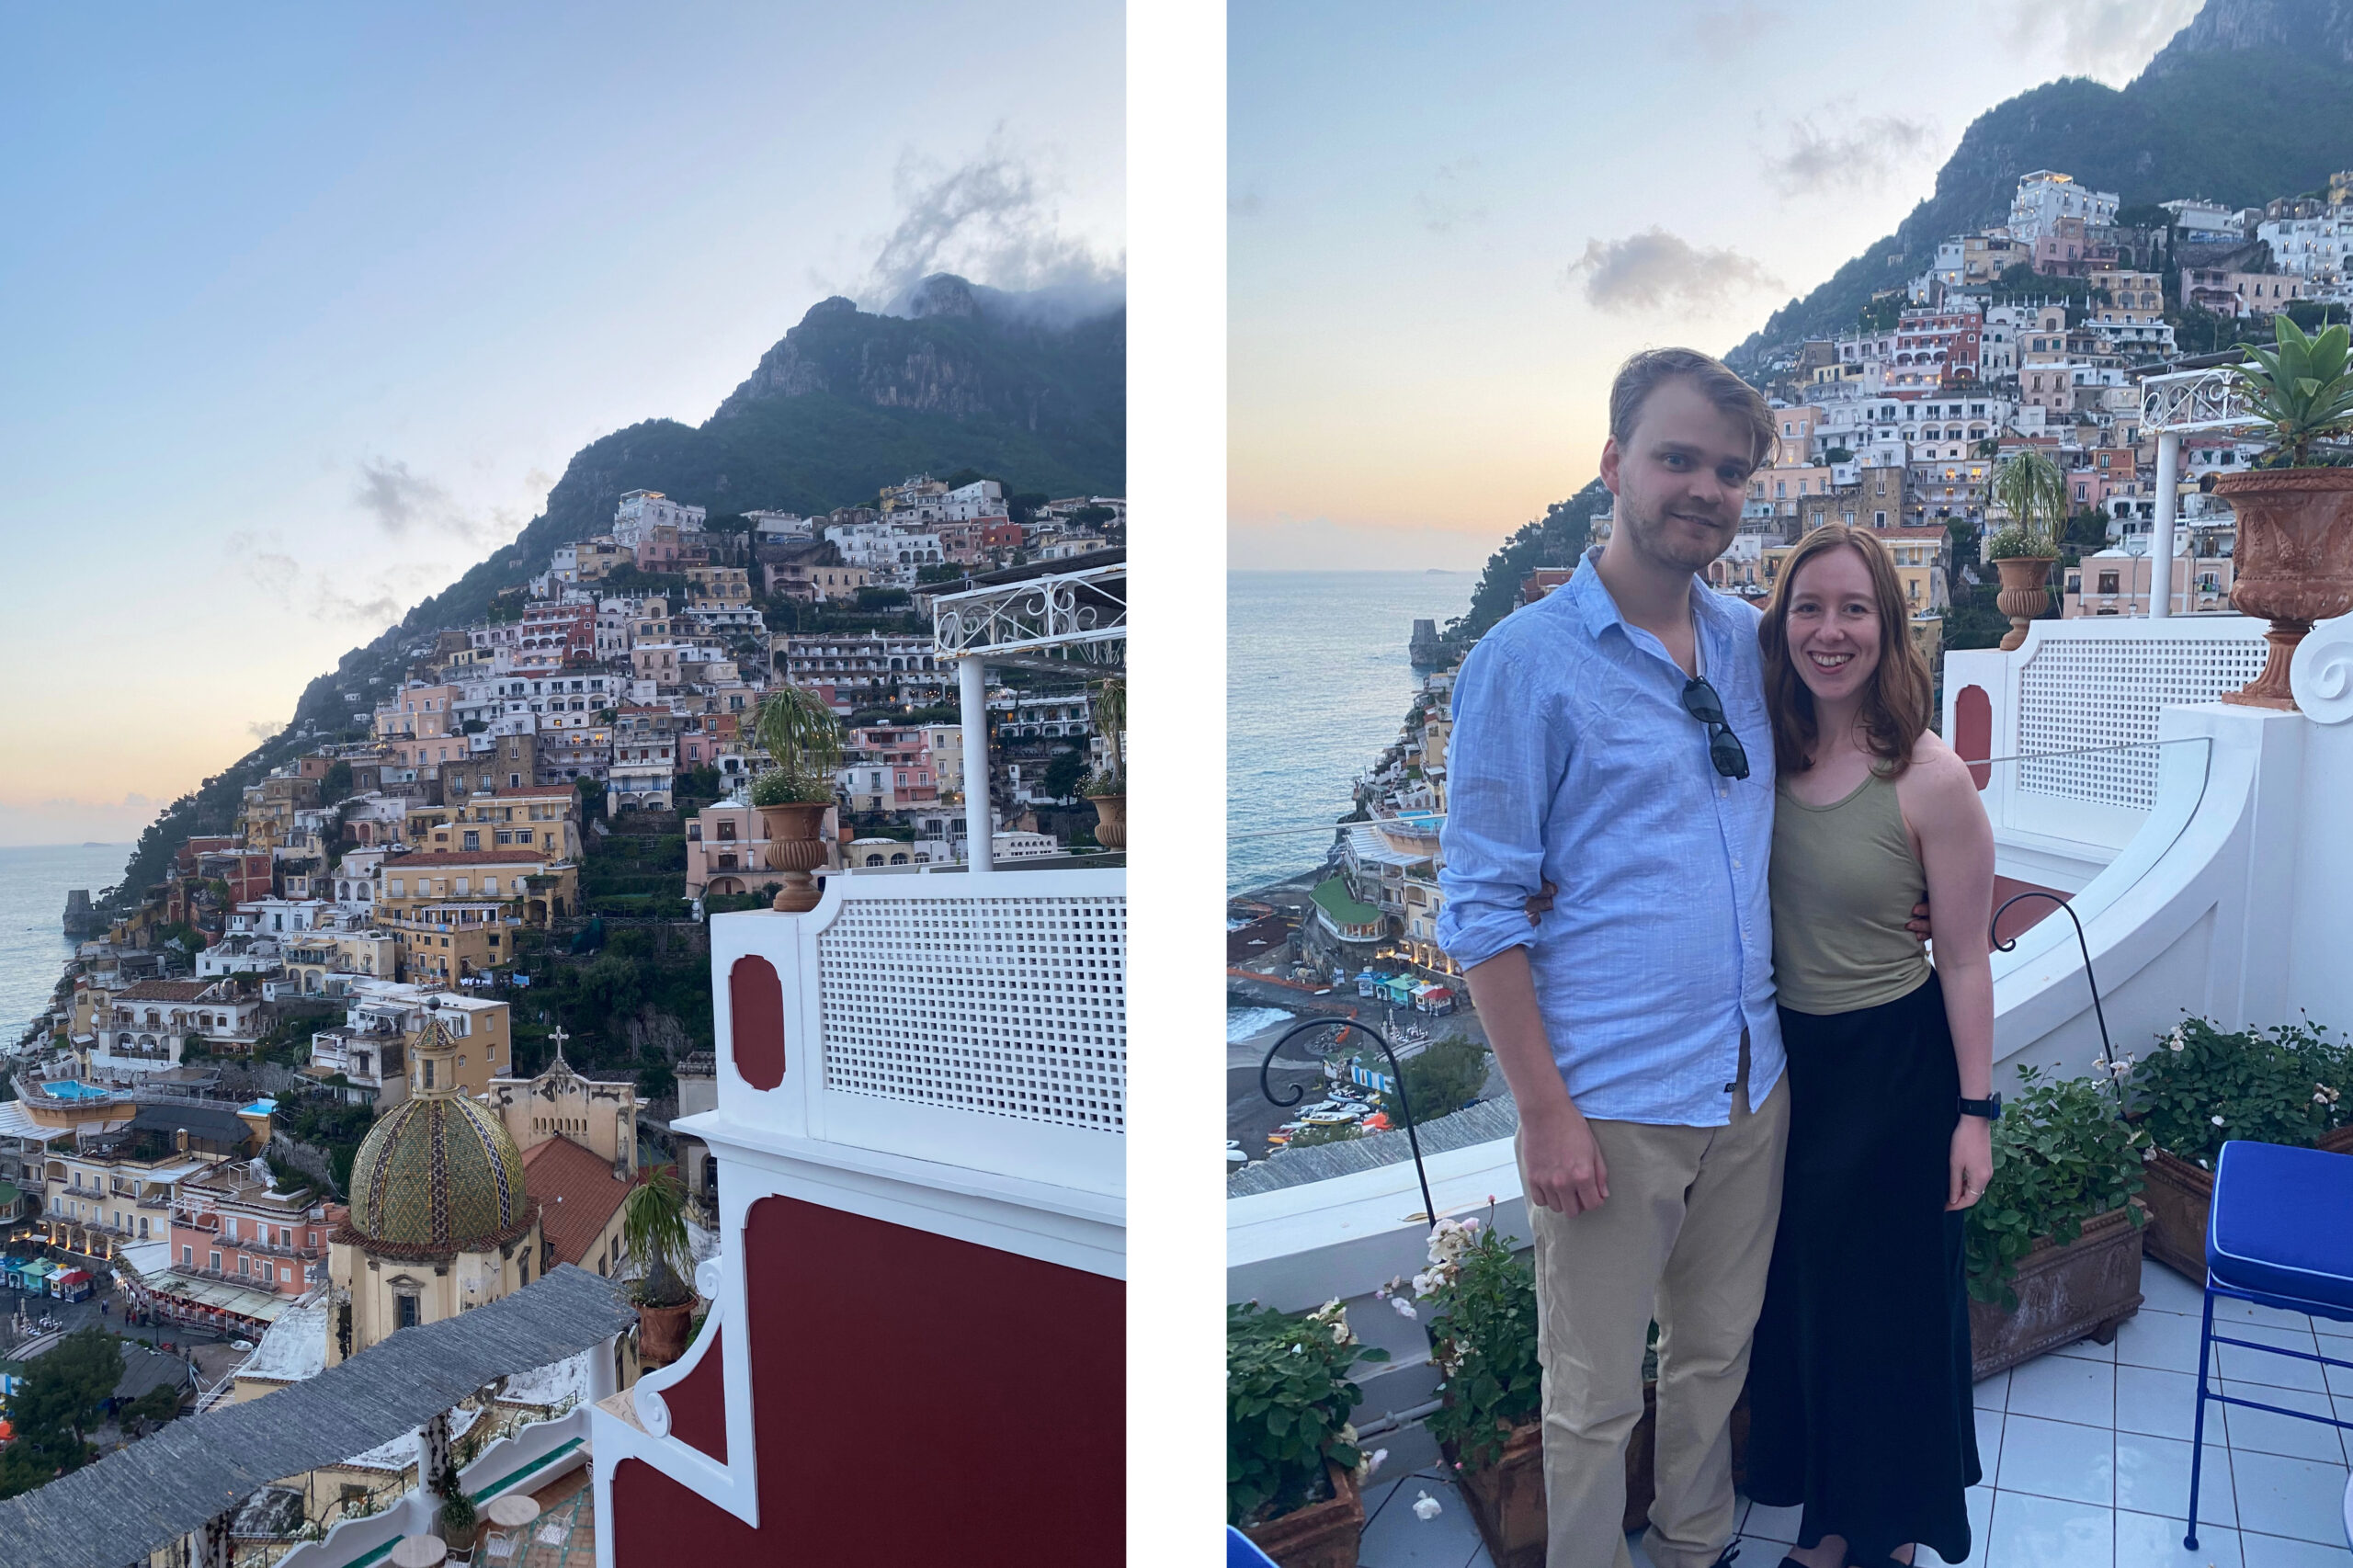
{"points": [[34, 882], [1317, 682]]}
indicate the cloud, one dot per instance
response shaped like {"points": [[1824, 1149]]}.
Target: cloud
{"points": [[1857, 152], [1245, 204], [290, 586], [992, 220], [1444, 203], [402, 501], [2109, 39], [1727, 33], [1655, 269], [265, 728]]}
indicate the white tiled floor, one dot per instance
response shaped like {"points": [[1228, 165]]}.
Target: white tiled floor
{"points": [[2086, 1458]]}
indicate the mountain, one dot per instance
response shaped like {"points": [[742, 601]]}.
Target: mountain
{"points": [[1029, 388], [2253, 99]]}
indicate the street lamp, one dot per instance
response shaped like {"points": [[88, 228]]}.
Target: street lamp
{"points": [[2136, 546]]}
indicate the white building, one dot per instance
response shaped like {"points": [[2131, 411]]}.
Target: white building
{"points": [[2046, 196], [774, 528], [970, 503], [2202, 220], [642, 511], [2310, 247]]}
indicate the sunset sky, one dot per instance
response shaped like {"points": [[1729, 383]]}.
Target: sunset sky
{"points": [[1448, 225], [304, 308]]}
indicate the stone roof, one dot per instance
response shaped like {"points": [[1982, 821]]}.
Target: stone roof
{"points": [[578, 1195], [165, 991], [437, 1176], [140, 1497]]}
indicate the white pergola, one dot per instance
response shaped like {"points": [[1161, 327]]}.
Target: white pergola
{"points": [[2185, 403], [1055, 621]]}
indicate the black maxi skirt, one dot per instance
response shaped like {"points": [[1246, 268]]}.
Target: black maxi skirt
{"points": [[1858, 1385]]}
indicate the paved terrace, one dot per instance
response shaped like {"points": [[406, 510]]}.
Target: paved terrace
{"points": [[2086, 1458]]}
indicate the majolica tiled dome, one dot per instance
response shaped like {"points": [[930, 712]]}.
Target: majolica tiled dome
{"points": [[437, 1174]]}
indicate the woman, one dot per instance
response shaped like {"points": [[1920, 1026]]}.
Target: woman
{"points": [[1858, 1383]]}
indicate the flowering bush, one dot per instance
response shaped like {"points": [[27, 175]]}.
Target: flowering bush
{"points": [[2202, 1087], [2061, 1156], [1482, 1338], [1287, 1394]]}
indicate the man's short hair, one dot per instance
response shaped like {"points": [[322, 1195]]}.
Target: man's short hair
{"points": [[1642, 374]]}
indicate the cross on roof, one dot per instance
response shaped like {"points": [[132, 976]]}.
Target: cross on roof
{"points": [[557, 1037]]}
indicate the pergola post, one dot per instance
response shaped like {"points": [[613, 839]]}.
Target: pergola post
{"points": [[2161, 546], [971, 683]]}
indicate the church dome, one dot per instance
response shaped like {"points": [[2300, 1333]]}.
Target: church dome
{"points": [[437, 1175]]}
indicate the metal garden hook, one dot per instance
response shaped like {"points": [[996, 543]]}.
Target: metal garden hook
{"points": [[2107, 1053], [1404, 1108]]}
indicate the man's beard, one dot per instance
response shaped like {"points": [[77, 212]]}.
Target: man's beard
{"points": [[1657, 537]]}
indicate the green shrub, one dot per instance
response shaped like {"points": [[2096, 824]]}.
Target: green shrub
{"points": [[2062, 1157], [1288, 1396], [2202, 1086]]}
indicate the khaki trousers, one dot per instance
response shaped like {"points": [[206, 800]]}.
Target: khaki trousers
{"points": [[1685, 1237]]}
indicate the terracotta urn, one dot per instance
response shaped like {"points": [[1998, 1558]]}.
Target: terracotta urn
{"points": [[662, 1334], [2025, 592], [795, 849], [2294, 563], [1111, 820]]}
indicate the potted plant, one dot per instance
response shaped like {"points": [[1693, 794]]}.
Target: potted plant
{"points": [[2033, 491], [2202, 1086], [2296, 511], [2053, 1242], [457, 1515], [1107, 791], [804, 738], [1292, 1465], [1483, 1340], [661, 1262]]}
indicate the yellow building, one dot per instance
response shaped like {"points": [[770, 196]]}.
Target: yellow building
{"points": [[321, 963], [456, 913], [542, 818]]}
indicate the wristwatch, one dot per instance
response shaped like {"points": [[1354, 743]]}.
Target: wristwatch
{"points": [[1990, 1108]]}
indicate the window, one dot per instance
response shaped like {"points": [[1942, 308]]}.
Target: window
{"points": [[405, 1310], [216, 1262], [187, 1257], [2107, 582]]}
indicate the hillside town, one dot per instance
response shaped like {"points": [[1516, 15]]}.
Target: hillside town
{"points": [[289, 1064], [2036, 335]]}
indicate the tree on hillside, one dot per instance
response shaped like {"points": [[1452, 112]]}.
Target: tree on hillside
{"points": [[1065, 773], [1444, 1077], [60, 1402], [1557, 539]]}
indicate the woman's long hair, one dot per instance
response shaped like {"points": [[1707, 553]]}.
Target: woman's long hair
{"points": [[1896, 704]]}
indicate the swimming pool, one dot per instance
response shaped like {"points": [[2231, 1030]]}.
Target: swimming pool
{"points": [[67, 1089]]}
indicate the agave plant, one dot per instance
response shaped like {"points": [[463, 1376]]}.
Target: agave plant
{"points": [[1111, 704], [2302, 388], [2033, 491], [804, 739], [654, 1239]]}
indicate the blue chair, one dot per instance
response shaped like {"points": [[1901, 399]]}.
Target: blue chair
{"points": [[1240, 1551], [2280, 1235]]}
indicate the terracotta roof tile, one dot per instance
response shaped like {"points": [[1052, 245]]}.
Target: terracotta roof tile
{"points": [[577, 1195], [165, 991]]}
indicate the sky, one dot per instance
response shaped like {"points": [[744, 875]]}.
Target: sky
{"points": [[1447, 225], [303, 309]]}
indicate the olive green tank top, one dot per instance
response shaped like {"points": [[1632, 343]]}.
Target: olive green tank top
{"points": [[1845, 879]]}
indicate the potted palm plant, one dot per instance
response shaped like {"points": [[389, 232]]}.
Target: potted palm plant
{"points": [[1292, 1464], [2033, 491], [2054, 1245], [2202, 1086], [1107, 791], [661, 1262], [804, 738], [2296, 511]]}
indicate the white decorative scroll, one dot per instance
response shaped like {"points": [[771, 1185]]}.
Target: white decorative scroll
{"points": [[2322, 675]]}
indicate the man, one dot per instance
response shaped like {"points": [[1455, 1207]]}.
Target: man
{"points": [[1611, 743]]}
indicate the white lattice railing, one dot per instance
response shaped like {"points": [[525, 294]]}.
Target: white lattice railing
{"points": [[976, 1020], [2106, 687], [2072, 718]]}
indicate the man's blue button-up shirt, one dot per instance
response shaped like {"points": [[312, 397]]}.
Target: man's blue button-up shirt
{"points": [[1574, 761]]}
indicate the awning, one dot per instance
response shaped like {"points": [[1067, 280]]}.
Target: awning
{"points": [[185, 1292]]}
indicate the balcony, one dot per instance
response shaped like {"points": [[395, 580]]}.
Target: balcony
{"points": [[930, 1075], [2205, 849]]}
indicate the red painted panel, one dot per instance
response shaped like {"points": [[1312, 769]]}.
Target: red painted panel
{"points": [[1973, 730], [2027, 915], [869, 1343], [755, 996], [698, 1404]]}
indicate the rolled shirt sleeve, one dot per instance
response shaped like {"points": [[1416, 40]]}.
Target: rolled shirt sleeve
{"points": [[1505, 760]]}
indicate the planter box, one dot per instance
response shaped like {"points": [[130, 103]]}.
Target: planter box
{"points": [[2082, 1290], [1506, 1499], [2179, 1195], [1321, 1535]]}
